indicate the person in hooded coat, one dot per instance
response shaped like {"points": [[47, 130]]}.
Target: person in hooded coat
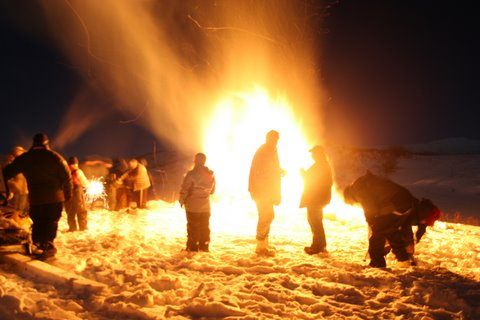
{"points": [[390, 211], [197, 186], [264, 185], [49, 184], [317, 193]]}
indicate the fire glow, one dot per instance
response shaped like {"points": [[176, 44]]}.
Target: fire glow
{"points": [[95, 190], [238, 128]]}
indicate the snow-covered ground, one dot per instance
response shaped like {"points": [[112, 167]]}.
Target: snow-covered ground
{"points": [[139, 256]]}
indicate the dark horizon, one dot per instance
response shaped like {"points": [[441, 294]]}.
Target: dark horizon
{"points": [[395, 73]]}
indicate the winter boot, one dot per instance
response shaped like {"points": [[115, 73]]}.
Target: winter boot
{"points": [[314, 250], [203, 246], [263, 249], [49, 251]]}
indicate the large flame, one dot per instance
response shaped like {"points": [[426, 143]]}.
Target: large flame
{"points": [[238, 128]]}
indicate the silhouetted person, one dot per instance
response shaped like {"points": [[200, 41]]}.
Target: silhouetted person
{"points": [[390, 211], [75, 207], [137, 182], [117, 195], [316, 195], [18, 184], [197, 186], [49, 185], [264, 186]]}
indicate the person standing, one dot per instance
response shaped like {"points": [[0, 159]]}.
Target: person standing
{"points": [[75, 207], [197, 186], [264, 185], [137, 182], [49, 185], [317, 192], [117, 194], [18, 184]]}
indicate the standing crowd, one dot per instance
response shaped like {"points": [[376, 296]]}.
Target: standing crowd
{"points": [[43, 184]]}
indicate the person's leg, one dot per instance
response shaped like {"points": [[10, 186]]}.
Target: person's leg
{"points": [[71, 214], [82, 212], [36, 214], [315, 220], [400, 245], [53, 213], [376, 245], [192, 230], [265, 218], [142, 198], [204, 235], [45, 225]]}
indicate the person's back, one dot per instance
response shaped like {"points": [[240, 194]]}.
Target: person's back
{"points": [[380, 196], [47, 175], [199, 183], [264, 181], [197, 186], [49, 185]]}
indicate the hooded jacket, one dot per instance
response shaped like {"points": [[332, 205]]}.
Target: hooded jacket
{"points": [[197, 186]]}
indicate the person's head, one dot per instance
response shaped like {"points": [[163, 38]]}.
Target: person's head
{"points": [[318, 153], [348, 195], [272, 137], [17, 150], [143, 161], [73, 161], [40, 140], [133, 163], [200, 159]]}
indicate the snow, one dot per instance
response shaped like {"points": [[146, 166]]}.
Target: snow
{"points": [[139, 256]]}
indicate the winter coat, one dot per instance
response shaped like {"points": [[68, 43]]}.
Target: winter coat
{"points": [[198, 184], [78, 177], [47, 173], [264, 183], [317, 190], [137, 178], [17, 184], [379, 196]]}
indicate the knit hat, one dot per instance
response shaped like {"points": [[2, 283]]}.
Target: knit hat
{"points": [[433, 216], [73, 160], [40, 140]]}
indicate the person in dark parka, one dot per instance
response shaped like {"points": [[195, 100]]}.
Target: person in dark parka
{"points": [[49, 185], [317, 192], [386, 206]]}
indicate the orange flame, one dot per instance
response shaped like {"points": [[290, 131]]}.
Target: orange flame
{"points": [[238, 128]]}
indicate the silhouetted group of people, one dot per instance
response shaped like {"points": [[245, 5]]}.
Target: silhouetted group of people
{"points": [[128, 184], [43, 184], [390, 209], [51, 184]]}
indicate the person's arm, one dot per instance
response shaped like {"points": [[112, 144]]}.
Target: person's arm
{"points": [[83, 179], [66, 178], [187, 185]]}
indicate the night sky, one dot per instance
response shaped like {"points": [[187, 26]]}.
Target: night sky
{"points": [[395, 72]]}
